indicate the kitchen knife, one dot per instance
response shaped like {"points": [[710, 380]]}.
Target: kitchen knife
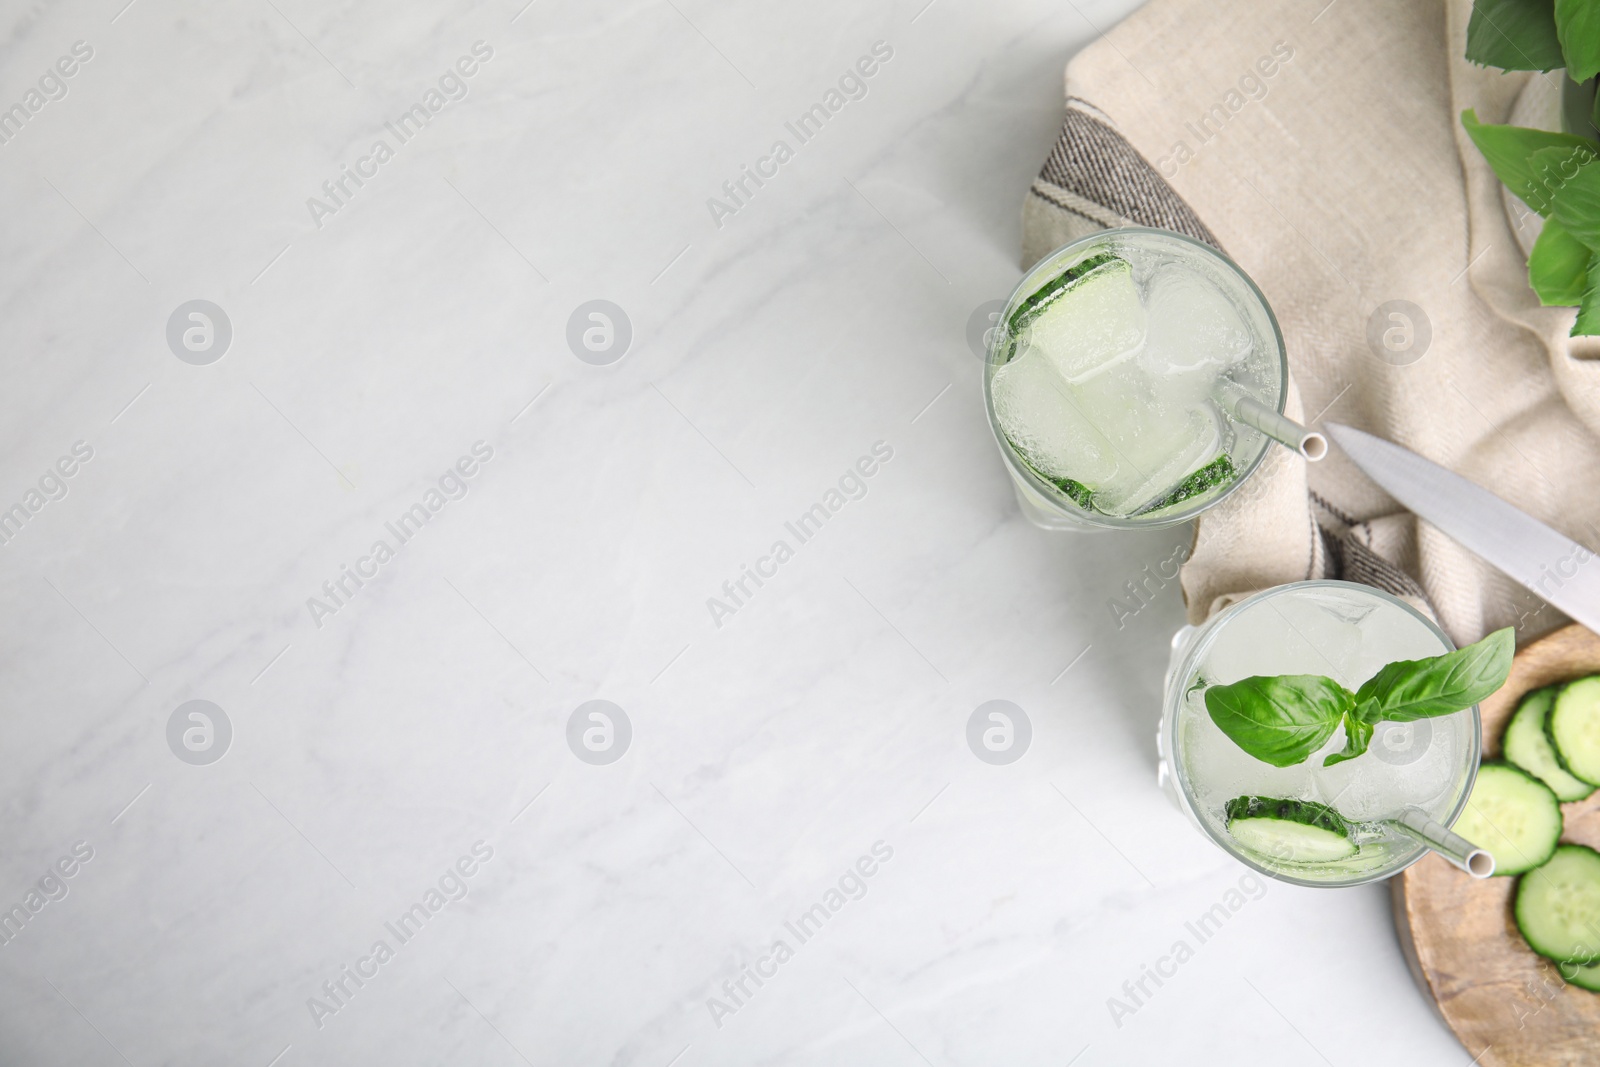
{"points": [[1552, 565]]}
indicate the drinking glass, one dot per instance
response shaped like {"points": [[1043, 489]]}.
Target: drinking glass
{"points": [[1148, 251], [1346, 632]]}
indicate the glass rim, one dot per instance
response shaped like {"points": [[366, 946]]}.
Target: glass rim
{"points": [[1050, 493], [1202, 640]]}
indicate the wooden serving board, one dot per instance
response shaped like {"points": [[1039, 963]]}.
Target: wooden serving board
{"points": [[1508, 1005]]}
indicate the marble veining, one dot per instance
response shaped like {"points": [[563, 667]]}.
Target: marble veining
{"points": [[551, 777]]}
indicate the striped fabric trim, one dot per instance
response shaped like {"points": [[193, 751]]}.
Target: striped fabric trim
{"points": [[1355, 562], [1095, 173], [1067, 200], [1348, 556]]}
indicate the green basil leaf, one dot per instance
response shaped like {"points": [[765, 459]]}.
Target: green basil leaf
{"points": [[1439, 685], [1279, 720], [1509, 151], [1578, 27], [1588, 323], [1357, 736], [1568, 183], [1558, 267], [1514, 35]]}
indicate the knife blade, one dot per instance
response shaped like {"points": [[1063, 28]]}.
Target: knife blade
{"points": [[1546, 561]]}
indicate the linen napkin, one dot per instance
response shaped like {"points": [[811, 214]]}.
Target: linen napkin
{"points": [[1320, 147]]}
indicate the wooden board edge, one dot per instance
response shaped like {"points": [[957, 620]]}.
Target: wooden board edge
{"points": [[1401, 912]]}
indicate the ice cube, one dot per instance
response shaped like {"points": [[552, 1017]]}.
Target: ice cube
{"points": [[1193, 326], [1094, 325], [1045, 422], [1156, 446], [1317, 635]]}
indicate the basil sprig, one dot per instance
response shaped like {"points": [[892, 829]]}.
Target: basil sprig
{"points": [[1554, 174], [1283, 719]]}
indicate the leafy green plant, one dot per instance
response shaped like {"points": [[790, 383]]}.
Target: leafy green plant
{"points": [[1550, 172], [1283, 719]]}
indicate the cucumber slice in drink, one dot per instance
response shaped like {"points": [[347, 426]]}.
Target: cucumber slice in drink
{"points": [[1092, 325], [1075, 490], [1047, 293], [1558, 906], [1526, 745], [1513, 816], [1574, 728], [1293, 831], [1219, 471]]}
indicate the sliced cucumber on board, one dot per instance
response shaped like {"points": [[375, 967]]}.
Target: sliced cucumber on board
{"points": [[1584, 976], [1526, 745], [1574, 728], [1296, 831], [1513, 816], [1558, 906]]}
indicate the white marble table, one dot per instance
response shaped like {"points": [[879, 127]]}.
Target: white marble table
{"points": [[393, 723]]}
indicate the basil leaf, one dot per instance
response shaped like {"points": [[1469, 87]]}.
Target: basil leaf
{"points": [[1514, 35], [1509, 151], [1558, 267], [1588, 323], [1439, 685], [1279, 720], [1357, 736], [1578, 27], [1569, 183]]}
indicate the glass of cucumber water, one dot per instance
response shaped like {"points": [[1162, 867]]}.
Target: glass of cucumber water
{"points": [[1110, 375], [1309, 823]]}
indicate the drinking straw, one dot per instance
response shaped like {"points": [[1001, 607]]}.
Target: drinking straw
{"points": [[1414, 822], [1240, 405]]}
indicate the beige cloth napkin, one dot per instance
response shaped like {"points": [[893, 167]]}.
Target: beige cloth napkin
{"points": [[1321, 148]]}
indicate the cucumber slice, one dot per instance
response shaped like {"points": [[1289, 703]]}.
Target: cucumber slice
{"points": [[1526, 745], [1513, 816], [1094, 324], [1558, 906], [1219, 471], [1574, 728], [1296, 831], [1584, 976], [1051, 290], [1076, 491]]}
